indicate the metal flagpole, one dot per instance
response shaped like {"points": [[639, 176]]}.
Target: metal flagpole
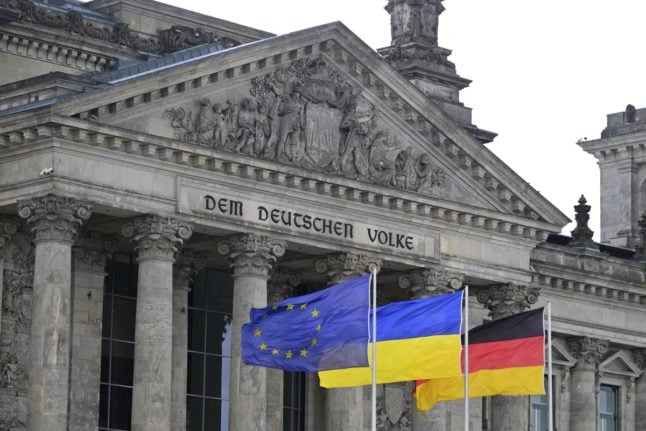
{"points": [[550, 413], [466, 357], [374, 349]]}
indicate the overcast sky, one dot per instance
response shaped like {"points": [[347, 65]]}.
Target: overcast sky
{"points": [[545, 73]]}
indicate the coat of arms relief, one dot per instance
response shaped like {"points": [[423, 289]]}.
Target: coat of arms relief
{"points": [[307, 115]]}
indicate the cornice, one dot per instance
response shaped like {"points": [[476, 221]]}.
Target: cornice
{"points": [[24, 45], [443, 214], [617, 148]]}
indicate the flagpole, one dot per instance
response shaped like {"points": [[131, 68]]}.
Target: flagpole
{"points": [[550, 419], [374, 349], [466, 357]]}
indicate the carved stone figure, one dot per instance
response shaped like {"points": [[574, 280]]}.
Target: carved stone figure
{"points": [[307, 115]]}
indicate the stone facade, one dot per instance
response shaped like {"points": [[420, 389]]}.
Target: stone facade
{"points": [[287, 164]]}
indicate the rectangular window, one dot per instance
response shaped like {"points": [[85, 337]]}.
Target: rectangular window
{"points": [[294, 402], [118, 343], [608, 408], [540, 410], [210, 305]]}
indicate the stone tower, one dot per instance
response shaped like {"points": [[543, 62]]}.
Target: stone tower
{"points": [[415, 53], [622, 168]]}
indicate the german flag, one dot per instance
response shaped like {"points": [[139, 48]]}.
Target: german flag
{"points": [[506, 357]]}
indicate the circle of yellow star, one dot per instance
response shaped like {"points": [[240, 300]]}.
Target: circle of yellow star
{"points": [[275, 352], [304, 353], [257, 332], [315, 342], [289, 354], [318, 327], [263, 346], [303, 306], [274, 308], [290, 306], [315, 313]]}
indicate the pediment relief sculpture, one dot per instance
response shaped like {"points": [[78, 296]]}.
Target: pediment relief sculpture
{"points": [[307, 115]]}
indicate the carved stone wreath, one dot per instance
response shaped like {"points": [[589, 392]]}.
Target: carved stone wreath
{"points": [[307, 115]]}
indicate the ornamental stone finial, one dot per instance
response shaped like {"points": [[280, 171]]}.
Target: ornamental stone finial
{"points": [[582, 234], [157, 237], [252, 254], [282, 283], [92, 250], [423, 283], [587, 350], [344, 266], [503, 300], [53, 217]]}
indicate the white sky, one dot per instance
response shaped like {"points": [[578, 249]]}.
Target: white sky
{"points": [[545, 73]]}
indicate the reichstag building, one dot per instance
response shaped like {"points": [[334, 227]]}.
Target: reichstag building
{"points": [[163, 171]]}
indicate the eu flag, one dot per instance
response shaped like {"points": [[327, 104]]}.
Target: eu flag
{"points": [[324, 330]]}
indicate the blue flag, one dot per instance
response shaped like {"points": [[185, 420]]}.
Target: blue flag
{"points": [[325, 330]]}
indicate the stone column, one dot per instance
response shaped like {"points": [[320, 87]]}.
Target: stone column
{"points": [[639, 356], [251, 258], [89, 257], [584, 382], [424, 283], [186, 266], [280, 286], [157, 240], [508, 413], [344, 407], [54, 221]]}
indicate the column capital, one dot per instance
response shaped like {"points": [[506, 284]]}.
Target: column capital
{"points": [[54, 218], [426, 282], [92, 250], [344, 266], [252, 254], [503, 300], [157, 237], [587, 350], [281, 283], [187, 264]]}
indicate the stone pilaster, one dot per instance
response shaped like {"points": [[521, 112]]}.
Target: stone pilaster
{"points": [[251, 257], [424, 283], [280, 286], [584, 382], [344, 407], [187, 264], [54, 222], [89, 257], [157, 240], [508, 413], [639, 356], [8, 228]]}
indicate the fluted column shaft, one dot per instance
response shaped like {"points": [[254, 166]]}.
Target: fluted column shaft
{"points": [[584, 385], [54, 221], [90, 255], [425, 283], [183, 272], [344, 407], [508, 413], [251, 257], [157, 240]]}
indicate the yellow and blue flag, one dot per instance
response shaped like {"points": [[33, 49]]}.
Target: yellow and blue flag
{"points": [[414, 339], [323, 330]]}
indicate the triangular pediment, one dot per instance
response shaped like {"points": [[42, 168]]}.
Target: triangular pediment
{"points": [[620, 363], [318, 100]]}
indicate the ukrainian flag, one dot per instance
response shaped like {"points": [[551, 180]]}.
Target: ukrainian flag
{"points": [[415, 340]]}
